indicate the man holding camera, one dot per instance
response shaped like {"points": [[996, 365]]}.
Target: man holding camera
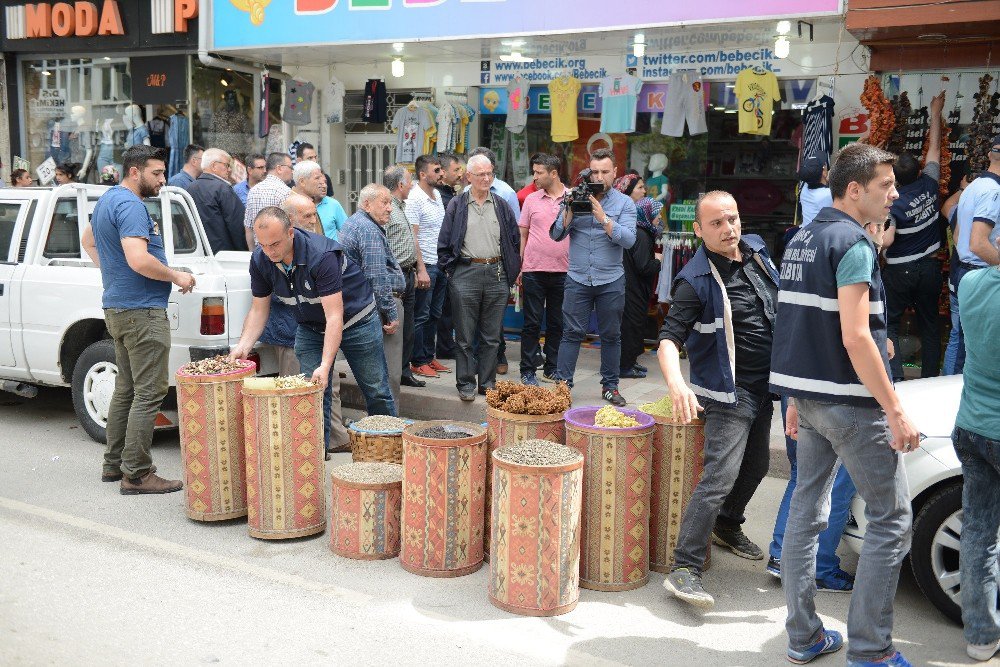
{"points": [[598, 230]]}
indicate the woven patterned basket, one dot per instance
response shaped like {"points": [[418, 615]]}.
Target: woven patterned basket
{"points": [[376, 446]]}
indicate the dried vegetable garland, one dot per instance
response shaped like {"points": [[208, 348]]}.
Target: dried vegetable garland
{"points": [[981, 130], [944, 183], [881, 117], [901, 122]]}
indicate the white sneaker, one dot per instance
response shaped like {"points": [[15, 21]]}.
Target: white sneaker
{"points": [[983, 652]]}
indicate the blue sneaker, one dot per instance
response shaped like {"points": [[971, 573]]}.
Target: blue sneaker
{"points": [[774, 567], [894, 660], [529, 379], [830, 642], [838, 582]]}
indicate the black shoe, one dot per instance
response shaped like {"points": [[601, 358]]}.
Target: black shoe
{"points": [[631, 373], [467, 396], [409, 381], [482, 390], [736, 541], [640, 367], [614, 398]]}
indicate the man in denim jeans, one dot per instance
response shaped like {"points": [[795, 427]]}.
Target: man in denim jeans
{"points": [[831, 357], [126, 244], [723, 313], [977, 443], [334, 306]]}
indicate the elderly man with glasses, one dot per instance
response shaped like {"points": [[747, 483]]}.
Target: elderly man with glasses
{"points": [[478, 249], [220, 210], [272, 191]]}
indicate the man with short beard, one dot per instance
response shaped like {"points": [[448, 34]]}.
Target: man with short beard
{"points": [[126, 244]]}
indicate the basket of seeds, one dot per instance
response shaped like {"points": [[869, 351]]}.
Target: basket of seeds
{"points": [[377, 438], [210, 409]]}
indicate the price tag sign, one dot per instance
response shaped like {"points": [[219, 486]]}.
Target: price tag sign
{"points": [[46, 172]]}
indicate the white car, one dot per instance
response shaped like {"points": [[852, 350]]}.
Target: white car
{"points": [[934, 475]]}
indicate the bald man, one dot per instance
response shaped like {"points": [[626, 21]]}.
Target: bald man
{"points": [[723, 312], [302, 212]]}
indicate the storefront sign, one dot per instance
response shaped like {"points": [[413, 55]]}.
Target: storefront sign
{"points": [[62, 19], [682, 212], [493, 101], [161, 80], [243, 23], [50, 103]]}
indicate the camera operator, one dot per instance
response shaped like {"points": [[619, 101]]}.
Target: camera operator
{"points": [[596, 277]]}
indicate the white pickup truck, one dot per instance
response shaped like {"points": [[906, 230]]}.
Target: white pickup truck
{"points": [[52, 330]]}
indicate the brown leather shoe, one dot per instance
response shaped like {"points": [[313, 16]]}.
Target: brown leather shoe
{"points": [[438, 366], [149, 483], [116, 476]]}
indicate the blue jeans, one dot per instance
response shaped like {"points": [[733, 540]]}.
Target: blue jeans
{"points": [[980, 459], [361, 345], [827, 561], [578, 301], [737, 437], [857, 437], [954, 354], [426, 313]]}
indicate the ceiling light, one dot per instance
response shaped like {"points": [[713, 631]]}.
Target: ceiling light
{"points": [[638, 49], [398, 68], [46, 73], [784, 27], [640, 38], [107, 57], [397, 47], [781, 47], [516, 57], [513, 42]]}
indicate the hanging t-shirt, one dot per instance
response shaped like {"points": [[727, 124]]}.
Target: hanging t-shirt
{"points": [[619, 96], [563, 94], [263, 115], [410, 125], [335, 101], [818, 121], [376, 106], [298, 102], [517, 104], [756, 92]]}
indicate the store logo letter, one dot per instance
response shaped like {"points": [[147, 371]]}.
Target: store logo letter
{"points": [[38, 19], [314, 6], [86, 19], [111, 20], [184, 10]]}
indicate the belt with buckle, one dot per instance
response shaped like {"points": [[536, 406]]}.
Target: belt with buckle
{"points": [[489, 260]]}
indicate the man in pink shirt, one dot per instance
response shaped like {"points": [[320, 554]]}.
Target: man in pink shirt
{"points": [[544, 263]]}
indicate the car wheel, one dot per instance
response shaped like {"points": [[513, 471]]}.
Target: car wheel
{"points": [[93, 385], [934, 556]]}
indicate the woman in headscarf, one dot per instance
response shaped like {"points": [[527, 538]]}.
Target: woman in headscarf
{"points": [[642, 265]]}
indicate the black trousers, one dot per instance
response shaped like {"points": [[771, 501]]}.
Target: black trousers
{"points": [[409, 296], [916, 284], [633, 327], [543, 295]]}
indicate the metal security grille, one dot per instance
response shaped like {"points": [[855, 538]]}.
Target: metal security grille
{"points": [[367, 157]]}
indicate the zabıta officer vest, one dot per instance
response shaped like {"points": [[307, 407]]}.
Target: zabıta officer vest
{"points": [[711, 344], [808, 357]]}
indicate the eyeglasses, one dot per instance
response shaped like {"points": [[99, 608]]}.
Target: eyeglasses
{"points": [[482, 174], [229, 165]]}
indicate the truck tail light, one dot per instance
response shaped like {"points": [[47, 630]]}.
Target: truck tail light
{"points": [[213, 316], [254, 356]]}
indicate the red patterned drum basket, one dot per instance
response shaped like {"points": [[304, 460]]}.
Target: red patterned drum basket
{"points": [[364, 510], [444, 487], [614, 545], [285, 459], [505, 428], [535, 538], [210, 408], [678, 461]]}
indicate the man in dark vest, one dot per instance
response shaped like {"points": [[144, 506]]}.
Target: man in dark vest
{"points": [[831, 358], [723, 312]]}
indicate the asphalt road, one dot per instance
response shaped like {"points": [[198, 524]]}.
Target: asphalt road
{"points": [[88, 576]]}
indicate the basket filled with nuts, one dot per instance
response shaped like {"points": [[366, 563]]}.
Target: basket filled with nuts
{"points": [[210, 408], [616, 445], [377, 438], [283, 425]]}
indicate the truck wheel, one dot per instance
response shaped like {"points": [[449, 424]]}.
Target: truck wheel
{"points": [[937, 529], [93, 384]]}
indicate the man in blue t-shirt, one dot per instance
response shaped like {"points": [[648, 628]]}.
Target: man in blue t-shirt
{"points": [[912, 273], [125, 243]]}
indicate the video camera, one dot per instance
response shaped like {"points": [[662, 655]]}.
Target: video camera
{"points": [[578, 199]]}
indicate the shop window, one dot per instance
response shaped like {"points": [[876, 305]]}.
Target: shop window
{"points": [[8, 220], [64, 233]]}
